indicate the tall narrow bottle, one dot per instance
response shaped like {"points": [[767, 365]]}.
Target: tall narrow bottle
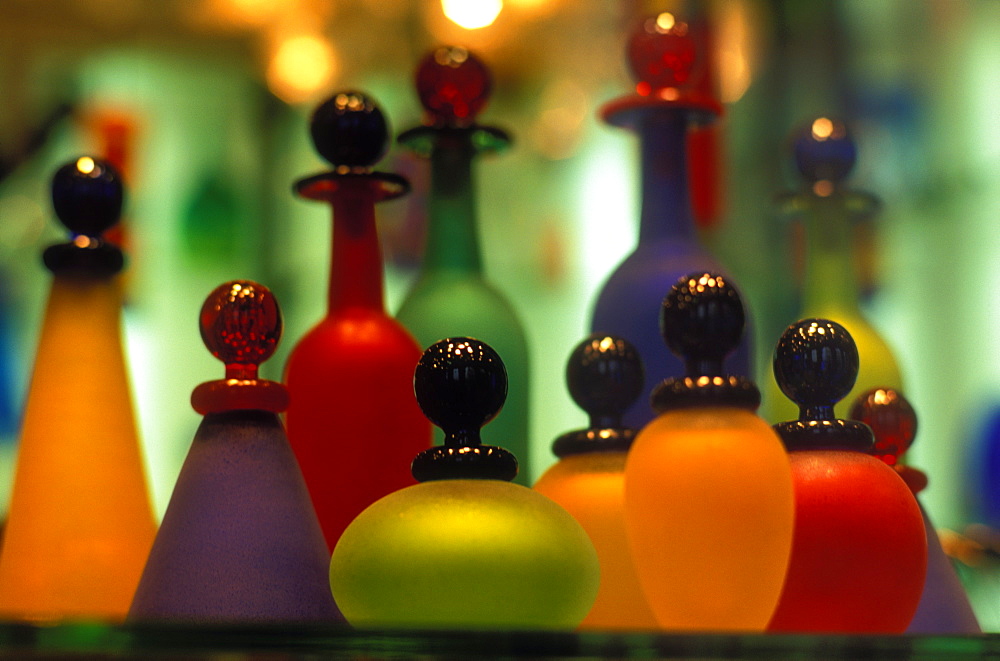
{"points": [[350, 378], [451, 295], [666, 63], [80, 524], [825, 154]]}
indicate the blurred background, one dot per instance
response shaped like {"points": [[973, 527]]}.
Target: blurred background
{"points": [[204, 104]]}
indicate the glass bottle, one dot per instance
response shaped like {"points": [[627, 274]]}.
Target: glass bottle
{"points": [[708, 487], [859, 554], [240, 541], [350, 378], [451, 295], [825, 153], [666, 62], [604, 375], [465, 548], [80, 523]]}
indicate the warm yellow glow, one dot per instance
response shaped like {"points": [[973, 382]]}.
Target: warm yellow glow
{"points": [[472, 14], [822, 128], [85, 164], [607, 343], [301, 66], [665, 22]]}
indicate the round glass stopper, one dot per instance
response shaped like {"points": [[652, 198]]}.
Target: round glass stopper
{"points": [[454, 86], [241, 324]]}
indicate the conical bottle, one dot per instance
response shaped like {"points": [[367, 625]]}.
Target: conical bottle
{"points": [[80, 524], [708, 487], [350, 378], [859, 554], [466, 548], [944, 605], [239, 542], [604, 375], [666, 63], [825, 154], [451, 295]]}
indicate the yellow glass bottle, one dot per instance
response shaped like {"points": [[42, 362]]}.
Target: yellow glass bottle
{"points": [[708, 487], [824, 155], [604, 375], [80, 523]]}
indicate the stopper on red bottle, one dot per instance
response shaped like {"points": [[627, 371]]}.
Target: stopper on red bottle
{"points": [[454, 86], [892, 419], [241, 324], [815, 365]]}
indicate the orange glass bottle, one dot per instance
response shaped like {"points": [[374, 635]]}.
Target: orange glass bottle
{"points": [[80, 524], [604, 375], [708, 489], [859, 555], [350, 378]]}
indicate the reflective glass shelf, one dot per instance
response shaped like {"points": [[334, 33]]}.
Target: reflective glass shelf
{"points": [[235, 643]]}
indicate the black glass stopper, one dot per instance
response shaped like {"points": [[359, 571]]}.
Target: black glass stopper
{"points": [[461, 384], [349, 129], [604, 374], [702, 320], [824, 150], [87, 196], [816, 365]]}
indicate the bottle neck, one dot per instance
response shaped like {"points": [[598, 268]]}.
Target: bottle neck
{"points": [[356, 262], [666, 199], [452, 233], [830, 280]]}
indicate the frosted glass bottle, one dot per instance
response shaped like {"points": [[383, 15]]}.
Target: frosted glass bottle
{"points": [[350, 377], [825, 154], [451, 295], [80, 524], [660, 113]]}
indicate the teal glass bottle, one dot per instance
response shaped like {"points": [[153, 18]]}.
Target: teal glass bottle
{"points": [[451, 295]]}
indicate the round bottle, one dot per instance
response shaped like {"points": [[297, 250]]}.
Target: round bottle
{"points": [[708, 489], [350, 377], [605, 376], [859, 554], [465, 548]]}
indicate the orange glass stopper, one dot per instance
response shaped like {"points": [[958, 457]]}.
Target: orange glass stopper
{"points": [[662, 53], [241, 324], [892, 419]]}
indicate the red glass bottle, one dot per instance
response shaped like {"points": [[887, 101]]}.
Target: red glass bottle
{"points": [[350, 378], [944, 605], [858, 553]]}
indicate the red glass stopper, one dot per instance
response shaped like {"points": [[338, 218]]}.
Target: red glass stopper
{"points": [[453, 85], [892, 420], [241, 325], [662, 53]]}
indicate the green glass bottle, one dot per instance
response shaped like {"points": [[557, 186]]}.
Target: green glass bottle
{"points": [[825, 154], [451, 296]]}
